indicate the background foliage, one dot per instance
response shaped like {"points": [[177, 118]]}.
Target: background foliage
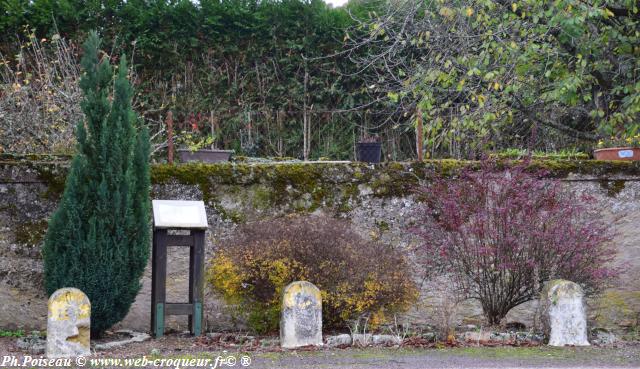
{"points": [[298, 78], [247, 62], [491, 74]]}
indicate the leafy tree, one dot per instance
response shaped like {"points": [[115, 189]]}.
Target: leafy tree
{"points": [[501, 234], [487, 73], [98, 238]]}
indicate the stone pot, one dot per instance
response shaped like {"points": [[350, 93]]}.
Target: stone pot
{"points": [[369, 152], [617, 153], [205, 156]]}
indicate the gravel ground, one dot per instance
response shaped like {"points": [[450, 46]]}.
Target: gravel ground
{"points": [[184, 348], [480, 358]]}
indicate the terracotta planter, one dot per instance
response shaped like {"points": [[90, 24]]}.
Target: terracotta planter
{"points": [[205, 156], [617, 153]]}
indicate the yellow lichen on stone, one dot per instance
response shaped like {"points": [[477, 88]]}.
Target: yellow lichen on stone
{"points": [[560, 289], [298, 288], [83, 338], [59, 305], [68, 324]]}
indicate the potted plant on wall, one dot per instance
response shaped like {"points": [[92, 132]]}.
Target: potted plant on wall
{"points": [[620, 139], [618, 148], [369, 149], [198, 147]]}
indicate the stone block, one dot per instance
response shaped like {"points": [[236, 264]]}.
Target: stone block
{"points": [[339, 340], [564, 314], [301, 319], [68, 324], [133, 338], [360, 339], [385, 340]]}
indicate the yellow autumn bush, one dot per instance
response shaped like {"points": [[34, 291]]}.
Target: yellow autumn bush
{"points": [[356, 277]]}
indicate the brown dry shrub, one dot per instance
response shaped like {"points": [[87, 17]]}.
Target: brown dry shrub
{"points": [[39, 96], [356, 277]]}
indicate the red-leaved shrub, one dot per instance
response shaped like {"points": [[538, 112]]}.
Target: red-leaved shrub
{"points": [[500, 234]]}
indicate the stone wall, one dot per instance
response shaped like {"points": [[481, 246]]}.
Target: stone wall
{"points": [[377, 201]]}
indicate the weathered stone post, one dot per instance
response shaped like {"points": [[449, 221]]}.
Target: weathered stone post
{"points": [[564, 314], [68, 324], [301, 319]]}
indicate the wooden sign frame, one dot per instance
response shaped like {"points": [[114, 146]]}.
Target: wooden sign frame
{"points": [[160, 309]]}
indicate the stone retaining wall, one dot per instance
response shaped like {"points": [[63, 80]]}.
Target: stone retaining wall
{"points": [[377, 202]]}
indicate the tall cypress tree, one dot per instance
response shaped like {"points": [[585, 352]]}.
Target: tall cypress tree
{"points": [[98, 238]]}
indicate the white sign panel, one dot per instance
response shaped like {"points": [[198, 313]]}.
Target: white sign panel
{"points": [[179, 214], [625, 153]]}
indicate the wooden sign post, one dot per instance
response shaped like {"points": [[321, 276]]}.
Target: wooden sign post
{"points": [[184, 216]]}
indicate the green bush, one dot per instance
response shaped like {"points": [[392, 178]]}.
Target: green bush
{"points": [[98, 238], [356, 277]]}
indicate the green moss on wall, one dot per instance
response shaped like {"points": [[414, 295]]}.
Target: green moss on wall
{"points": [[262, 197], [194, 173], [286, 178], [308, 186], [31, 233], [382, 226], [596, 168], [54, 177], [235, 216], [348, 196], [49, 169], [32, 158], [613, 188], [614, 306], [207, 177], [393, 179], [444, 167]]}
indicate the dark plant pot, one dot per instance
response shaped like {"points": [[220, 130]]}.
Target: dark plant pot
{"points": [[205, 156], [368, 151], [617, 153]]}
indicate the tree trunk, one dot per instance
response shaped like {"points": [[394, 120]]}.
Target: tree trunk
{"points": [[419, 135], [305, 118], [169, 123]]}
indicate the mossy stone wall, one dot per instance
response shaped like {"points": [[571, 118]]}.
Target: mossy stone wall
{"points": [[377, 200]]}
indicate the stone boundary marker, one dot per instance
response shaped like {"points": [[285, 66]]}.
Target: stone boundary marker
{"points": [[68, 324], [564, 313], [301, 319]]}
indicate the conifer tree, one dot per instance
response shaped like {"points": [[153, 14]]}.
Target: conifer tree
{"points": [[98, 238]]}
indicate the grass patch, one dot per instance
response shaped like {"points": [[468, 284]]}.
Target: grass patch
{"points": [[515, 352], [16, 334], [565, 154]]}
